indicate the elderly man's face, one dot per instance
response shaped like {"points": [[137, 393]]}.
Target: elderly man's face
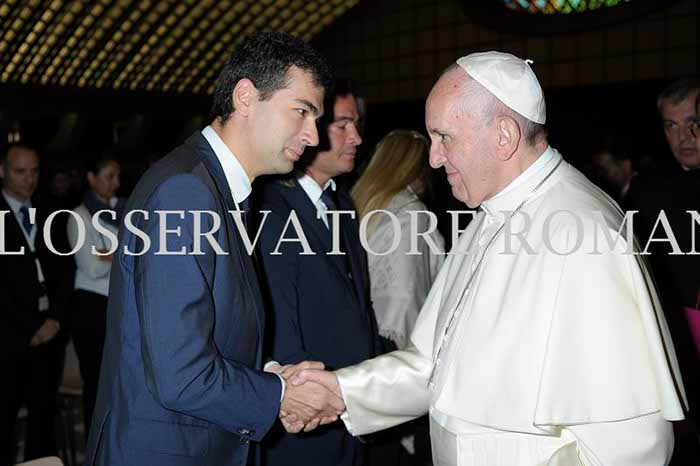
{"points": [[459, 142], [677, 120]]}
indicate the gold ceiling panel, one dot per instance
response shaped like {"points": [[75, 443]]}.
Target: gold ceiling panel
{"points": [[141, 45]]}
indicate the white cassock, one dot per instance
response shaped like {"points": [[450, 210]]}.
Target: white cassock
{"points": [[552, 358]]}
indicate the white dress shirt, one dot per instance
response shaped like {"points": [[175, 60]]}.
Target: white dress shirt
{"points": [[92, 272], [314, 191], [240, 185]]}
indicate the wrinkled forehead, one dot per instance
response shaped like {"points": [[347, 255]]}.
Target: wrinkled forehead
{"points": [[446, 93]]}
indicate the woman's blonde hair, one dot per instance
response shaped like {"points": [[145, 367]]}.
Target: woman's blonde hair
{"points": [[400, 160]]}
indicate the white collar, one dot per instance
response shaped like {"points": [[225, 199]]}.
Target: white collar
{"points": [[531, 170], [15, 204], [237, 178], [312, 189]]}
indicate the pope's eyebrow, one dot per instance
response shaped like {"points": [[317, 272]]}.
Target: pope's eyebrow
{"points": [[308, 105]]}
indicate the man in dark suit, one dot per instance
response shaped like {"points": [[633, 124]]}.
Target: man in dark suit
{"points": [[181, 380], [321, 303], [677, 276], [29, 315]]}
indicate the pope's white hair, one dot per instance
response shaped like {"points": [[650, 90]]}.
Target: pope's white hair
{"points": [[480, 103]]}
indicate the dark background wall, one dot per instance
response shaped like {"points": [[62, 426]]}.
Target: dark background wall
{"points": [[600, 71]]}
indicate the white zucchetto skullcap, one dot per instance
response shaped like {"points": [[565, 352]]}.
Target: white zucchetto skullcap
{"points": [[510, 79]]}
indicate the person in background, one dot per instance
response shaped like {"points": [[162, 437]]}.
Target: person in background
{"points": [[616, 167], [676, 104], [89, 311], [673, 195], [30, 315], [321, 307], [398, 180]]}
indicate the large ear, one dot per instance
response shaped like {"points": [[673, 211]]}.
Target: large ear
{"points": [[508, 135], [245, 94]]}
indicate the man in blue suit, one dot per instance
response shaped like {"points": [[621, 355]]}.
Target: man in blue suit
{"points": [[182, 380], [321, 308]]}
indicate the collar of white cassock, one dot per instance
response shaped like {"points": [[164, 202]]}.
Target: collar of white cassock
{"points": [[524, 185]]}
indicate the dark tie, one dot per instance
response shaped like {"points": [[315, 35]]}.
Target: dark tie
{"points": [[247, 217], [26, 223], [330, 198], [244, 206]]}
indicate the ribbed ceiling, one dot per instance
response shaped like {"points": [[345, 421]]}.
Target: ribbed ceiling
{"points": [[158, 46]]}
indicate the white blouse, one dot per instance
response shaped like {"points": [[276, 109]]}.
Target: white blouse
{"points": [[400, 282], [92, 273]]}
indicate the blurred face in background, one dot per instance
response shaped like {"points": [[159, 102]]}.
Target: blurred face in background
{"points": [[616, 172], [105, 182], [344, 138], [677, 121], [20, 173]]}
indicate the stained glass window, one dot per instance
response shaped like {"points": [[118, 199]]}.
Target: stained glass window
{"points": [[559, 6]]}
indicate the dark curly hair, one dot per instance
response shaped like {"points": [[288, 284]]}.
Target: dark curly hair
{"points": [[265, 59]]}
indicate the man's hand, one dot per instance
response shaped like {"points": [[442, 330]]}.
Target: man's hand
{"points": [[308, 406], [46, 332]]}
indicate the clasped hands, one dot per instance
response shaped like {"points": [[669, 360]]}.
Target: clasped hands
{"points": [[312, 396]]}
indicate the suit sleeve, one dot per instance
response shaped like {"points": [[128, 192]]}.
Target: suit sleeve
{"points": [[287, 340], [184, 370]]}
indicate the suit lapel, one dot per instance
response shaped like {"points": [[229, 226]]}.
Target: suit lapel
{"points": [[307, 213], [213, 166]]}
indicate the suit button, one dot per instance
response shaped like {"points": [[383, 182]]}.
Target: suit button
{"points": [[245, 441], [243, 431]]}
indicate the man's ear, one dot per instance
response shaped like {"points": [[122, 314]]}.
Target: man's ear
{"points": [[508, 137], [245, 94]]}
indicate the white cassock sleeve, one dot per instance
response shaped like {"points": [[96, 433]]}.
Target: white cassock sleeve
{"points": [[393, 388]]}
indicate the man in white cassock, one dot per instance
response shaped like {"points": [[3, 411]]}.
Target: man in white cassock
{"points": [[542, 341]]}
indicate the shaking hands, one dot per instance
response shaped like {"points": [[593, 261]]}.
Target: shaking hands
{"points": [[312, 396]]}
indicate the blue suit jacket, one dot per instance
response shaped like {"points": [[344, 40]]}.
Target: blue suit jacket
{"points": [[180, 382], [319, 312]]}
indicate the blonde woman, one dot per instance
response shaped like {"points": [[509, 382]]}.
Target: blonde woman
{"points": [[397, 179]]}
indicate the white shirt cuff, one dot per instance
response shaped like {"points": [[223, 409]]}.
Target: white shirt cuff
{"points": [[267, 367]]}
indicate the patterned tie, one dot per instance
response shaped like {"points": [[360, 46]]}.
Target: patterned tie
{"points": [[26, 222]]}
